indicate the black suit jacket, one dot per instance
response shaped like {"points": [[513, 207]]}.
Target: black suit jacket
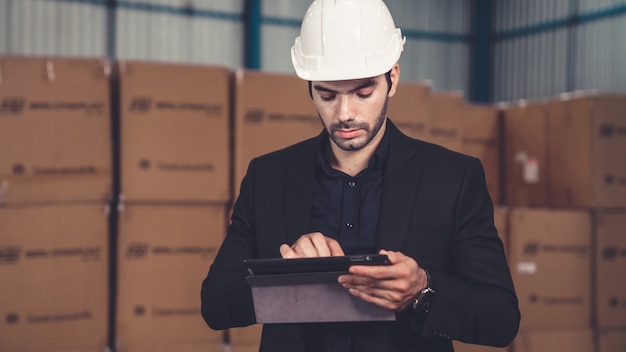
{"points": [[435, 208]]}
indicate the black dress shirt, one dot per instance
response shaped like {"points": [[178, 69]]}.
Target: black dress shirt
{"points": [[346, 208]]}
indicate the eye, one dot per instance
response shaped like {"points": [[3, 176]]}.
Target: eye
{"points": [[327, 97], [364, 95]]}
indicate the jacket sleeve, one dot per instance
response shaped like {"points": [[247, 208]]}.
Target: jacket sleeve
{"points": [[225, 294], [475, 301]]}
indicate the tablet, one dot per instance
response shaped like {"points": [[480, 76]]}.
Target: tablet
{"points": [[274, 266]]}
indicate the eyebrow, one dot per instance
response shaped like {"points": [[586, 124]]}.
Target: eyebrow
{"points": [[366, 84]]}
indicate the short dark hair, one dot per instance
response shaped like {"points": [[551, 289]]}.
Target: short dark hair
{"points": [[387, 76]]}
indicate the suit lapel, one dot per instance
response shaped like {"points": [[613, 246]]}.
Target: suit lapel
{"points": [[400, 186], [298, 191]]}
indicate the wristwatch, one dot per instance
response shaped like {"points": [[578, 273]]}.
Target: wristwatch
{"points": [[421, 303]]}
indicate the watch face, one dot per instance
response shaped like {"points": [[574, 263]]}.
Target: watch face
{"points": [[422, 302]]}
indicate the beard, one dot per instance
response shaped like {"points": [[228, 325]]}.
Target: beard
{"points": [[357, 144]]}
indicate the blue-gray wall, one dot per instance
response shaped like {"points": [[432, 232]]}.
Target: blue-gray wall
{"points": [[539, 47], [546, 47]]}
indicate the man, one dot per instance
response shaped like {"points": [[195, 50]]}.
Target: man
{"points": [[362, 186]]}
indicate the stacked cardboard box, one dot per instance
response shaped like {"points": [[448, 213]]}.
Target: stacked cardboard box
{"points": [[587, 140], [444, 118], [54, 272], [55, 182], [409, 108], [55, 127], [566, 152], [164, 253], [483, 138], [565, 156], [272, 111], [182, 159], [526, 146], [174, 180]]}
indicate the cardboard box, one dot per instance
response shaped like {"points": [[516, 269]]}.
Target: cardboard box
{"points": [[482, 139], [445, 125], [610, 262], [272, 111], [466, 347], [501, 221], [570, 340], [613, 340], [250, 335], [54, 274], [244, 347], [409, 108], [587, 142], [526, 153], [550, 254], [55, 123], [174, 129], [164, 254]]}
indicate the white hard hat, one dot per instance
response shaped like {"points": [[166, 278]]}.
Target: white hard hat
{"points": [[346, 39]]}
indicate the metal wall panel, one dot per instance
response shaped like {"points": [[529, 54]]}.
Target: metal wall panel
{"points": [[601, 56], [168, 36], [36, 27], [595, 5], [531, 67], [213, 5], [435, 49], [204, 32], [207, 31], [280, 26], [510, 14], [546, 48], [446, 65], [276, 43], [291, 9], [449, 16]]}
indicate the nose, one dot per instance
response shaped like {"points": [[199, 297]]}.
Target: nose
{"points": [[346, 106]]}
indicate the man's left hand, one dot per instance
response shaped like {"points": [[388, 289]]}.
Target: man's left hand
{"points": [[391, 286]]}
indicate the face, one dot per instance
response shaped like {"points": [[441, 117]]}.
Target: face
{"points": [[353, 111]]}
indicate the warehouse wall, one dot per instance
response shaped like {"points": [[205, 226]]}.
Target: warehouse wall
{"points": [[167, 30], [209, 32], [31, 27], [212, 32], [545, 48], [541, 48]]}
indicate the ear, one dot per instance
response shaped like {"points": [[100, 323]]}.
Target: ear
{"points": [[395, 78]]}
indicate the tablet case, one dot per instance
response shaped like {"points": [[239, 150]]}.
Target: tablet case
{"points": [[309, 297]]}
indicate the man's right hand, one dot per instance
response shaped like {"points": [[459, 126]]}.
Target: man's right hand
{"points": [[313, 244]]}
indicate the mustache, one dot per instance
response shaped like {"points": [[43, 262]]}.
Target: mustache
{"points": [[348, 125]]}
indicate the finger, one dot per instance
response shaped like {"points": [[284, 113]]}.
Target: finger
{"points": [[380, 272], [304, 247], [287, 252], [376, 300], [320, 244], [334, 246], [394, 257], [370, 286]]}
